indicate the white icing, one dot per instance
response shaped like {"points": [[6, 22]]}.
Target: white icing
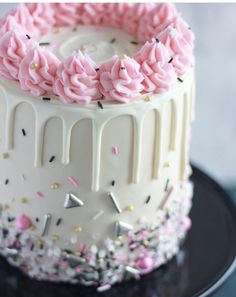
{"points": [[100, 43]]}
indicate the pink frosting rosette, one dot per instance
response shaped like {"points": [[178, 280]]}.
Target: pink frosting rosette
{"points": [[43, 16], [155, 21], [156, 67], [77, 80], [38, 70], [93, 13], [9, 23], [67, 14], [115, 13], [178, 39], [13, 48], [120, 79], [134, 15]]}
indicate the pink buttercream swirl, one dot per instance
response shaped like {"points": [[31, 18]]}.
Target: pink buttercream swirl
{"points": [[67, 14], [77, 80], [43, 16], [155, 21], [134, 15], [13, 48], [115, 13], [120, 79], [158, 72], [38, 70], [178, 39], [93, 13]]}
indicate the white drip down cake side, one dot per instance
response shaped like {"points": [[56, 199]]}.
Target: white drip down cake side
{"points": [[94, 194]]}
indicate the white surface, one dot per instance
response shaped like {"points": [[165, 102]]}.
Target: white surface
{"points": [[214, 133]]}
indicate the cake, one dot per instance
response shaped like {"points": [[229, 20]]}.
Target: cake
{"points": [[95, 112]]}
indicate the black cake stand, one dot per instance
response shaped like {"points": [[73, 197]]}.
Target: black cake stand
{"points": [[206, 260]]}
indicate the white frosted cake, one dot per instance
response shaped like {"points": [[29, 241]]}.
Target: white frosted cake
{"points": [[96, 102]]}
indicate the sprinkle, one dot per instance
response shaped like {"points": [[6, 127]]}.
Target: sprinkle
{"points": [[157, 40], [78, 229], [46, 98], [34, 66], [46, 223], [44, 43], [103, 288], [55, 186], [113, 183], [122, 68], [6, 181], [55, 237], [179, 79], [100, 104], [52, 159], [122, 228], [37, 220], [58, 222], [123, 56], [98, 214], [23, 132], [113, 40], [134, 42], [115, 150], [73, 181], [114, 201], [167, 164], [129, 208], [147, 99], [171, 59], [148, 199], [5, 155], [40, 194], [23, 177], [164, 200], [74, 29], [57, 30], [72, 201], [96, 69], [24, 200], [82, 48], [167, 183], [28, 36]]}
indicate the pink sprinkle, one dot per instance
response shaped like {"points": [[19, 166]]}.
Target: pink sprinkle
{"points": [[73, 181], [23, 222], [81, 247], [97, 29], [40, 194], [115, 150], [187, 223], [145, 262]]}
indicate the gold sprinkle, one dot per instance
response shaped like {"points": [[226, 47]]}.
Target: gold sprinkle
{"points": [[77, 254], [146, 242], [24, 200], [33, 227], [55, 237], [129, 208], [55, 186], [82, 48], [64, 253], [78, 229], [34, 66], [167, 164], [5, 155], [100, 261], [147, 99], [123, 56], [57, 30], [6, 206]]}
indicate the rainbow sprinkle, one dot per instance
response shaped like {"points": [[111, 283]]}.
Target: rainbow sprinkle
{"points": [[73, 181]]}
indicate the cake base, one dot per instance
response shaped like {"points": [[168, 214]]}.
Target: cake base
{"points": [[180, 277]]}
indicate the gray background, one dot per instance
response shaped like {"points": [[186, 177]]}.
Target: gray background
{"points": [[214, 132]]}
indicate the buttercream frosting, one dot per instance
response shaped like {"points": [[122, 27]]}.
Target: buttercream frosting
{"points": [[67, 14]]}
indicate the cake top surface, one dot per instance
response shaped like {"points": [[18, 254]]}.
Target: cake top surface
{"points": [[90, 53]]}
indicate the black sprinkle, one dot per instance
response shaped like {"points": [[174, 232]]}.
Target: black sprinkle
{"points": [[6, 181], [122, 68], [189, 28], [74, 29], [32, 247], [157, 40], [179, 79], [113, 40], [167, 183], [100, 104], [148, 199], [46, 98], [23, 132], [58, 222], [10, 219], [44, 43], [113, 183], [37, 220], [96, 69], [170, 60], [28, 36], [134, 42], [52, 159]]}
